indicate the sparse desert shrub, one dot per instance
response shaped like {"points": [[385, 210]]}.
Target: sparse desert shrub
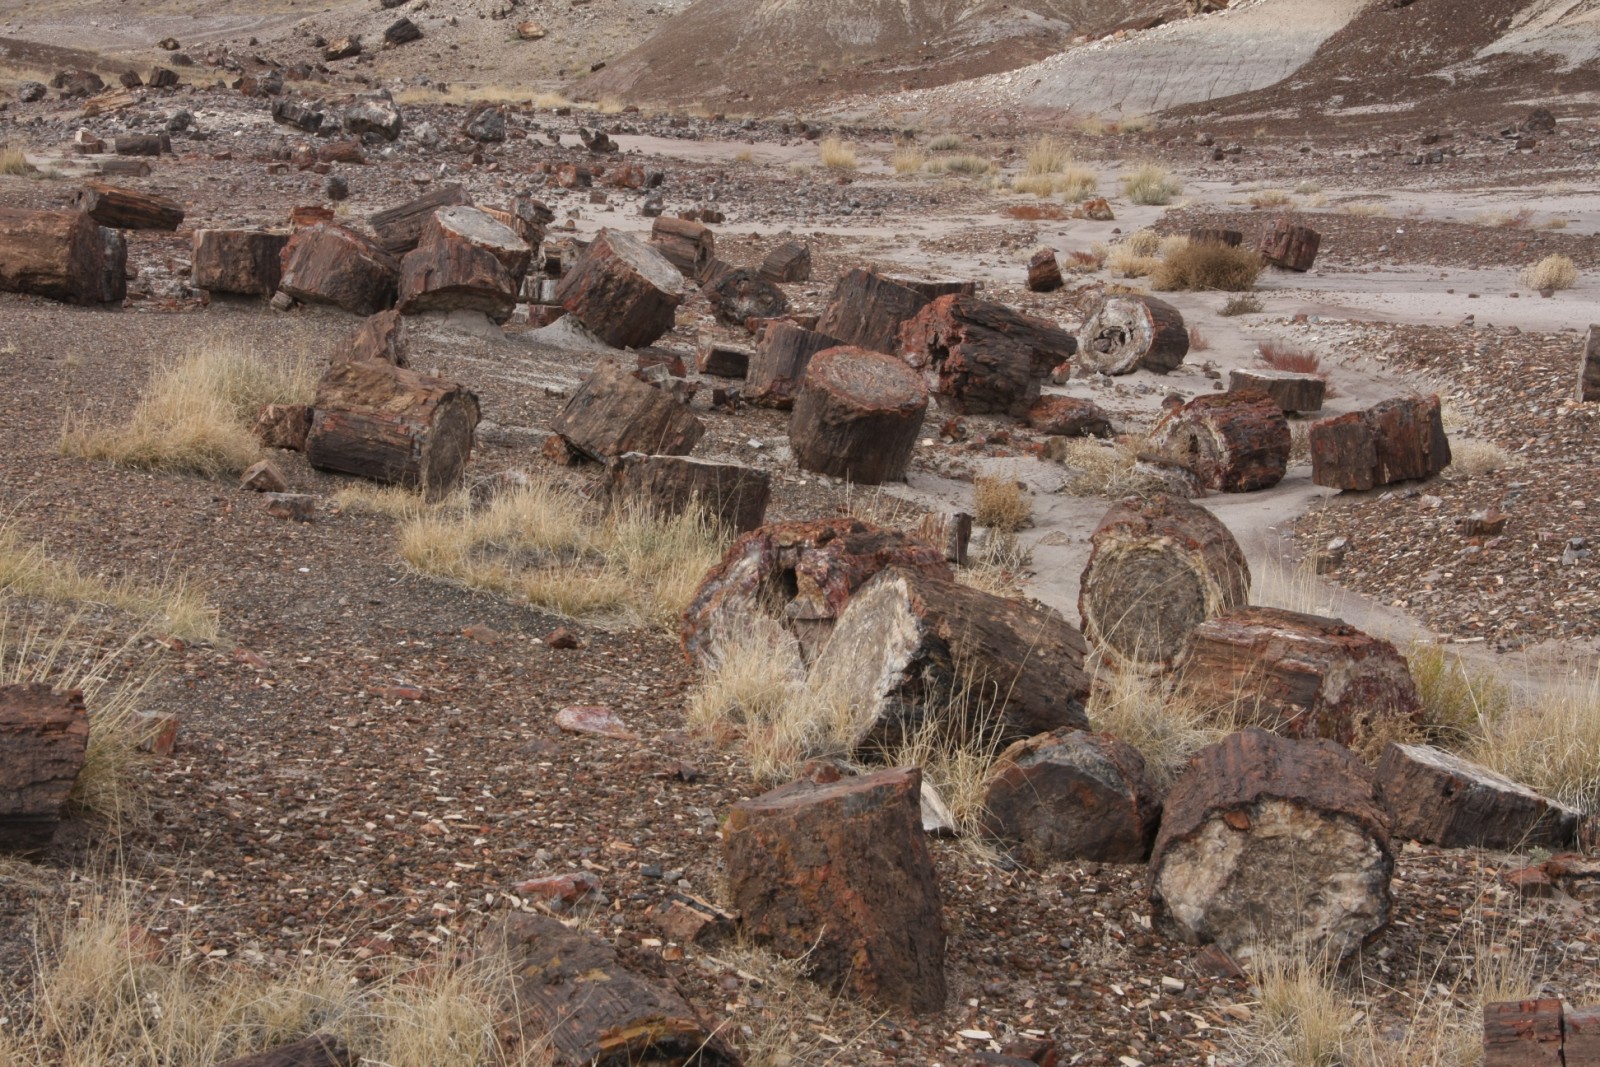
{"points": [[1307, 188], [1077, 184], [1000, 564], [1141, 242], [1507, 220], [969, 165], [1126, 262], [1036, 212], [1090, 126], [1551, 742], [1040, 185], [1364, 209], [1208, 265], [1556, 223], [14, 161], [1152, 185], [1134, 123], [1198, 341], [1270, 198], [1000, 503], [1551, 272], [1047, 155], [611, 105], [1458, 704], [836, 153], [945, 142], [1240, 304], [908, 160], [1166, 730], [1081, 262], [1301, 1018], [1469, 456], [1280, 355], [1105, 468], [744, 155]]}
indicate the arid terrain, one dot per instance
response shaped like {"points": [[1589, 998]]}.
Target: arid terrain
{"points": [[368, 773]]}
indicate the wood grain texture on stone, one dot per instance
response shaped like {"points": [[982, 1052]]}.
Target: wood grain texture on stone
{"points": [[1289, 245], [1394, 440], [1581, 1031], [737, 296], [1199, 235], [857, 415], [1438, 797], [1524, 1033], [867, 310], [447, 272], [382, 337], [128, 209], [1044, 273], [932, 289], [283, 425], [1589, 365], [622, 290], [980, 357], [782, 355], [44, 738], [689, 246], [613, 412], [400, 228], [1300, 393], [722, 360], [1232, 442], [328, 264], [1067, 416], [733, 497], [63, 255], [1124, 333], [246, 262], [789, 262]]}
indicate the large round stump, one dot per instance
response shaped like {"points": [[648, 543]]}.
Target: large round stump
{"points": [[688, 245], [448, 273], [1267, 842], [978, 356], [1290, 246], [622, 290], [857, 415], [1234, 442], [1126, 333], [779, 366], [1157, 569]]}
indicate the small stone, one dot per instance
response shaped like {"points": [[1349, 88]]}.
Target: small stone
{"points": [[563, 638], [594, 719], [300, 507], [263, 477], [158, 732], [563, 891], [401, 692], [337, 188]]}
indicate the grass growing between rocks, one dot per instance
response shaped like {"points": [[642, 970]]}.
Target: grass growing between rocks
{"points": [[836, 154], [14, 161], [1105, 468], [791, 1021], [1166, 730], [1000, 503], [1207, 265]]}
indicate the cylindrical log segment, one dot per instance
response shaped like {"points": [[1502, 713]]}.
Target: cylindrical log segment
{"points": [[857, 415], [1290, 246], [622, 290], [63, 255], [1199, 235], [1126, 333], [688, 246], [789, 262], [1290, 391], [44, 737], [867, 310], [1235, 442], [614, 412], [479, 229], [399, 228], [1438, 797], [980, 357], [1044, 273], [1392, 441], [248, 262], [731, 496], [128, 209], [328, 264], [779, 366], [451, 269]]}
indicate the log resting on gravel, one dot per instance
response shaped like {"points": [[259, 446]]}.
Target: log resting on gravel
{"points": [[468, 225], [127, 209], [1299, 675], [576, 1001], [689, 246], [780, 588], [857, 415], [1268, 842], [980, 357], [622, 290], [328, 264], [1125, 333], [383, 336], [1589, 365], [1066, 416], [614, 412], [1392, 441], [932, 289], [738, 296], [392, 425], [44, 736], [1233, 442], [63, 255], [143, 144], [1528, 1033], [1044, 273], [319, 1050], [1157, 569], [447, 272], [1290, 246], [1301, 393], [867, 310], [779, 365], [246, 262], [284, 426], [400, 228], [1440, 798], [720, 360], [789, 262], [733, 497], [912, 649]]}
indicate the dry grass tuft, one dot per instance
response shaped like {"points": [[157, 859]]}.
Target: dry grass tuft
{"points": [[1036, 212], [1506, 220], [945, 142], [1106, 468], [1040, 185], [1152, 185], [1000, 503], [1301, 1018], [1280, 355], [1551, 272], [1364, 209], [1270, 198], [1551, 743], [791, 1021], [837, 153], [1166, 730], [1047, 156], [1076, 184], [1469, 456], [1307, 188], [1240, 304], [14, 161], [908, 160], [1080, 262], [1208, 265], [1126, 262], [1141, 242], [1458, 704], [966, 164]]}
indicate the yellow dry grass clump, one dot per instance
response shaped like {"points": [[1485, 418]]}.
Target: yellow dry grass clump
{"points": [[14, 161], [1551, 272], [1000, 503], [965, 164], [1152, 185], [1104, 468], [836, 153], [908, 159], [1166, 729], [1207, 265], [1048, 155], [945, 142]]}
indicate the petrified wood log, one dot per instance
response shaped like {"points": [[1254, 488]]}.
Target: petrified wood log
{"points": [[284, 426], [789, 262], [319, 1050], [399, 228], [913, 649], [1525, 1033], [468, 225], [1267, 842], [838, 873], [1125, 333], [1581, 1029], [614, 412], [981, 357], [1066, 416], [1392, 441], [722, 361], [1200, 235], [1290, 246], [1589, 365], [527, 218], [381, 337], [450, 272], [1299, 675], [44, 736], [392, 425], [688, 246], [248, 262], [143, 144], [1290, 391], [1438, 797], [934, 288], [622, 290], [328, 264], [63, 255], [857, 415], [127, 209], [782, 355], [1157, 569], [1044, 273], [867, 310], [731, 496], [740, 295], [1235, 442]]}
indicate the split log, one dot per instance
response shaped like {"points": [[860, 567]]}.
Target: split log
{"points": [[780, 588], [857, 415], [1234, 442], [740, 295], [789, 262], [1392, 441], [450, 270], [722, 361], [1201, 235], [62, 255], [981, 357], [328, 264], [162, 78], [400, 228], [470, 226], [528, 219], [1438, 797], [122, 168], [284, 426], [1044, 273], [319, 1050], [383, 337], [249, 262], [1525, 1033], [44, 737], [1157, 569], [1581, 1027], [867, 310], [732, 497], [1302, 393], [689, 246], [1124, 333], [933, 288], [613, 413], [392, 425], [1299, 675], [127, 209], [1066, 416], [1589, 365], [1290, 246], [1267, 842], [585, 1009], [622, 290], [1072, 795], [779, 366], [143, 144], [838, 873], [911, 649]]}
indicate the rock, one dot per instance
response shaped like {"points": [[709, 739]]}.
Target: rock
{"points": [[562, 638], [1044, 273], [689, 920], [979, 357], [1123, 333], [1066, 416], [1290, 246], [776, 371], [1233, 442], [299, 114], [158, 733], [789, 262], [1097, 209], [721, 360], [1440, 798], [613, 413], [455, 266], [529, 30], [594, 719], [62, 255], [867, 310], [247, 262], [401, 32], [740, 295], [1392, 441], [1290, 391], [732, 497], [44, 738], [343, 48], [284, 426], [298, 507], [622, 290], [857, 415], [374, 118], [328, 264], [336, 188], [169, 44], [263, 477], [486, 125], [1527, 1033], [30, 92], [1589, 365]]}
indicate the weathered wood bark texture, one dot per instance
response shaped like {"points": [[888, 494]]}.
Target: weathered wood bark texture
{"points": [[246, 262], [789, 262], [722, 360], [1157, 569], [1267, 842], [857, 415], [1525, 1033], [1233, 442], [284, 425], [1589, 365], [867, 310], [980, 357], [127, 209], [44, 736], [1438, 797], [733, 497], [1044, 273], [689, 246], [1290, 246], [319, 1050], [1301, 393], [382, 337], [400, 227], [1200, 235], [63, 255], [614, 412], [622, 290], [932, 289], [464, 261], [738, 296], [1392, 441], [392, 425], [328, 264], [782, 355], [1067, 416], [838, 872], [1123, 334]]}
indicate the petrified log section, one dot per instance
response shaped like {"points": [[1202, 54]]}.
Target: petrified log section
{"points": [[248, 262], [528, 219], [127, 209], [1299, 675], [722, 361], [789, 262], [284, 425], [587, 1010], [1392, 441], [739, 295], [328, 264], [1123, 334], [1525, 1033], [1438, 797], [319, 1050], [838, 872], [451, 269], [733, 497], [1235, 442], [779, 365], [63, 255], [689, 246], [44, 736], [392, 425], [1290, 391], [399, 228], [1066, 416], [1157, 569], [471, 226], [1290, 246], [1581, 1029], [1200, 235], [1044, 273], [1072, 795], [911, 648], [1271, 842], [867, 310], [857, 415], [980, 357], [1589, 365], [933, 288], [143, 144], [614, 412], [381, 337], [622, 290], [781, 587]]}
